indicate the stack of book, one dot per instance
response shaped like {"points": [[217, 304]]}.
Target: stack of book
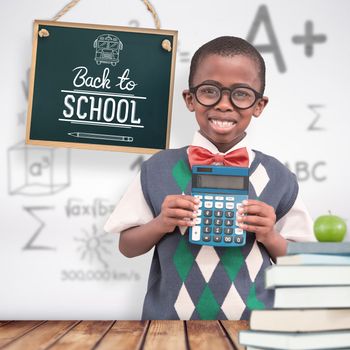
{"points": [[312, 300]]}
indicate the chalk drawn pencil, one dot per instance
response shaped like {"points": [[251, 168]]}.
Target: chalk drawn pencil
{"points": [[88, 135]]}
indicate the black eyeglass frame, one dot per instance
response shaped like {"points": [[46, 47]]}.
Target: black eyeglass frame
{"points": [[257, 95]]}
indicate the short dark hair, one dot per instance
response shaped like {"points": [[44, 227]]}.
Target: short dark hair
{"points": [[228, 46]]}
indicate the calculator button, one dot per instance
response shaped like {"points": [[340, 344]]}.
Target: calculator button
{"points": [[199, 196], [228, 231], [198, 221], [228, 239], [219, 205], [229, 214], [218, 213], [217, 238], [230, 198], [206, 238], [238, 231], [228, 222], [219, 198], [218, 222], [208, 204], [217, 230], [199, 212], [200, 204], [230, 205], [208, 212], [196, 233], [206, 229], [238, 205], [238, 239], [210, 198], [207, 221]]}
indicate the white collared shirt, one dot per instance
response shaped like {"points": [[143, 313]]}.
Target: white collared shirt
{"points": [[133, 210]]}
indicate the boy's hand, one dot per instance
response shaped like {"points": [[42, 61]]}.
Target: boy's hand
{"points": [[177, 210], [258, 217]]}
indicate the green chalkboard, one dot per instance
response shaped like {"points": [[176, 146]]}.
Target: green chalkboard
{"points": [[101, 87]]}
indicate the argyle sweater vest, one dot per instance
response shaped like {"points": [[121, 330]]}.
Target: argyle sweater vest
{"points": [[189, 281]]}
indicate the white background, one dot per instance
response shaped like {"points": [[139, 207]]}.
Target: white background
{"points": [[55, 260]]}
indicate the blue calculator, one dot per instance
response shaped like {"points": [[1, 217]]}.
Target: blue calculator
{"points": [[221, 190]]}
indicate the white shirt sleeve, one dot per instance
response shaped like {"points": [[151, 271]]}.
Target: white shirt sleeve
{"points": [[132, 210], [297, 224]]}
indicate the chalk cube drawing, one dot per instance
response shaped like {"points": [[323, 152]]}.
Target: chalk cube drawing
{"points": [[36, 170]]}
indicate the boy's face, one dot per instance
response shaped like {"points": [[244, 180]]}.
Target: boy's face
{"points": [[224, 124]]}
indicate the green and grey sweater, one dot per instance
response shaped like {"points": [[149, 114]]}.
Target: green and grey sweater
{"points": [[190, 281]]}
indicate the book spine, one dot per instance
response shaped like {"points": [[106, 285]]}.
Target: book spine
{"points": [[312, 297]]}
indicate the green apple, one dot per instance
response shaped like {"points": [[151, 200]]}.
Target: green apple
{"points": [[329, 228]]}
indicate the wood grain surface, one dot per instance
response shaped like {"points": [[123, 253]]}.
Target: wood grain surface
{"points": [[121, 335]]}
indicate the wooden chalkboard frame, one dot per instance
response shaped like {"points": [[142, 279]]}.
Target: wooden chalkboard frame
{"points": [[98, 146]]}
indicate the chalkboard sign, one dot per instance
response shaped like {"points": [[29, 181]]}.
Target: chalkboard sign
{"points": [[101, 87]]}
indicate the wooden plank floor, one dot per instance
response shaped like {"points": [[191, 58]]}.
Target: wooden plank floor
{"points": [[121, 335]]}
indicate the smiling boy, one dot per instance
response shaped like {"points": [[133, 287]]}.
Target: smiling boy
{"points": [[226, 86]]}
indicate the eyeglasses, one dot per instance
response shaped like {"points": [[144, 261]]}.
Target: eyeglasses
{"points": [[241, 97]]}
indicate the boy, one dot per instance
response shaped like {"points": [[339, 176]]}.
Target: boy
{"points": [[187, 281]]}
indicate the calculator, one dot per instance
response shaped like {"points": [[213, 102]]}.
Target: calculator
{"points": [[221, 190]]}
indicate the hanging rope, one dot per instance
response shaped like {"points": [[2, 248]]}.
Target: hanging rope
{"points": [[65, 10], [72, 3], [151, 9]]}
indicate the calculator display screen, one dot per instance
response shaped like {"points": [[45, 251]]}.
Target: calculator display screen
{"points": [[220, 181]]}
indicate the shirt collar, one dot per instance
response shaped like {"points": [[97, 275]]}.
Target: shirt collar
{"points": [[201, 141]]}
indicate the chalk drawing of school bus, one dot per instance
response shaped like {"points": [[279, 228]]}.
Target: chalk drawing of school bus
{"points": [[107, 49]]}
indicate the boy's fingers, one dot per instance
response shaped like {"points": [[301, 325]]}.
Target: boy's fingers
{"points": [[184, 202], [185, 223], [252, 228], [253, 220], [190, 198], [248, 202], [251, 209], [257, 208], [180, 213], [180, 222], [184, 196]]}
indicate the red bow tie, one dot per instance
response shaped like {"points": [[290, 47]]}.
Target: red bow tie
{"points": [[201, 156]]}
